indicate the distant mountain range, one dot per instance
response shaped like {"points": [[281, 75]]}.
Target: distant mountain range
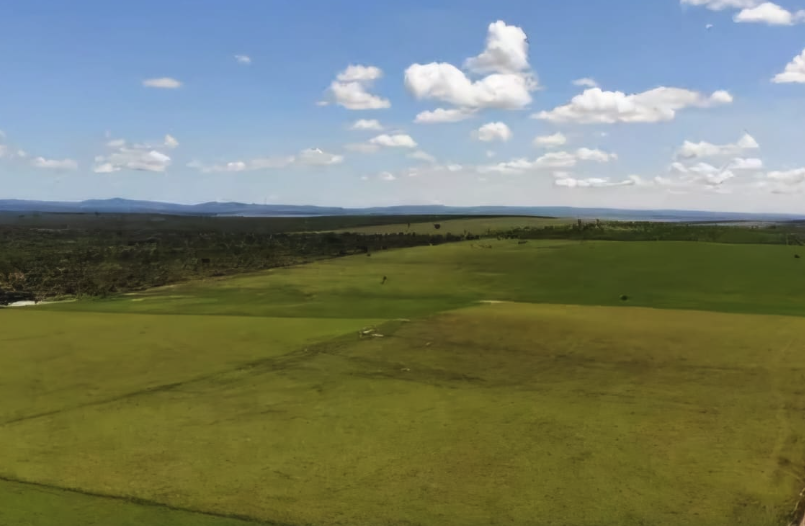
{"points": [[125, 206]]}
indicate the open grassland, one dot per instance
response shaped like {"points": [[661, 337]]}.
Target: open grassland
{"points": [[425, 280], [255, 396], [53, 361], [497, 414], [457, 227]]}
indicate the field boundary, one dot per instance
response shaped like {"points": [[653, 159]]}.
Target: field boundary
{"points": [[141, 502]]}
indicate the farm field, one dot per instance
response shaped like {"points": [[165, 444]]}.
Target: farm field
{"points": [[506, 383]]}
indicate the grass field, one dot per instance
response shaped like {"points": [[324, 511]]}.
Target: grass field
{"points": [[457, 227], [426, 280], [254, 396]]}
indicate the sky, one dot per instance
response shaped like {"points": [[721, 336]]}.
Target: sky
{"points": [[676, 104]]}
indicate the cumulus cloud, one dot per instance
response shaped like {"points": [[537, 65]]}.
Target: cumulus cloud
{"points": [[592, 182], [746, 164], [54, 164], [260, 163], [607, 107], [351, 88], [399, 140], [599, 156], [720, 5], [419, 155], [162, 83], [387, 176], [508, 83], [695, 150], [701, 173], [493, 131], [317, 157], [171, 142], [367, 124], [586, 83], [447, 83], [140, 157], [440, 115], [132, 159], [550, 141], [770, 14], [506, 51], [794, 71], [12, 153], [788, 177], [243, 59], [307, 157], [550, 161]]}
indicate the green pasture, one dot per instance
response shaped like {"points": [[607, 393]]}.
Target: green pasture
{"points": [[458, 227], [497, 414], [505, 383], [425, 280]]}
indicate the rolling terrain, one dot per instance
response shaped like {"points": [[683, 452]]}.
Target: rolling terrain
{"points": [[484, 382]]}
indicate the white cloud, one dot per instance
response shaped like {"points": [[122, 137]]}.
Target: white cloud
{"points": [[307, 157], [362, 147], [419, 155], [351, 87], [360, 73], [399, 140], [261, 163], [163, 83], [592, 182], [709, 26], [317, 157], [586, 82], [691, 150], [387, 176], [440, 115], [788, 177], [720, 5], [771, 14], [698, 174], [171, 142], [599, 156], [447, 83], [12, 153], [508, 85], [748, 165], [551, 141], [794, 71], [493, 131], [105, 168], [133, 159], [141, 157], [660, 104], [243, 59], [490, 154], [367, 124], [506, 51], [54, 164], [550, 161]]}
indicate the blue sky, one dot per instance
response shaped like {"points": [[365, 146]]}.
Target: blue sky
{"points": [[687, 104]]}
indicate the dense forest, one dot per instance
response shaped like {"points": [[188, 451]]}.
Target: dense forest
{"points": [[38, 263]]}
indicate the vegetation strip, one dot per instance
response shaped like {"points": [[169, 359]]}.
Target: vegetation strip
{"points": [[141, 502]]}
